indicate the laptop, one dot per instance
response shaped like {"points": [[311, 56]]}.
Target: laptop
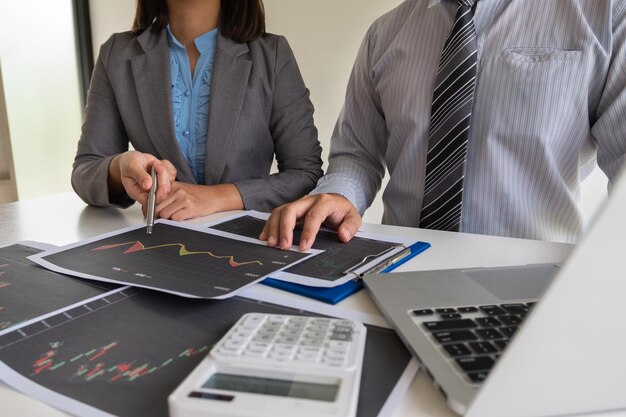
{"points": [[535, 340]]}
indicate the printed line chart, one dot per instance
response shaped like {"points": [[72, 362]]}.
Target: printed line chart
{"points": [[174, 259]]}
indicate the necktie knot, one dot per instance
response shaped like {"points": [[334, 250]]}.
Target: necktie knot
{"points": [[466, 3]]}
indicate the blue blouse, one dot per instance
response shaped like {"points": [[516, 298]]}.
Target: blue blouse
{"points": [[190, 98]]}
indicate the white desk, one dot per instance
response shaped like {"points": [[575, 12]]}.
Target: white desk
{"points": [[63, 218]]}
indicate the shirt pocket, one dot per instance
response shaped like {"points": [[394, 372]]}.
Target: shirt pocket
{"points": [[538, 55], [532, 95]]}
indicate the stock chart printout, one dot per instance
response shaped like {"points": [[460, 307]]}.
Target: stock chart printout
{"points": [[27, 291], [124, 355], [333, 265], [175, 258]]}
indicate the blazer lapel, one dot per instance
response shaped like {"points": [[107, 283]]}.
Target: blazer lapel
{"points": [[151, 73], [229, 81]]}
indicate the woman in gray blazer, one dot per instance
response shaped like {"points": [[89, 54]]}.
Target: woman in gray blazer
{"points": [[207, 98]]}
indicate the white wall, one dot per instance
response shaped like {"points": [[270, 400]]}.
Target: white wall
{"points": [[40, 73], [325, 36]]}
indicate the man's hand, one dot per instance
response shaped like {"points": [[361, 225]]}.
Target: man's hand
{"points": [[332, 210], [188, 201], [130, 172]]}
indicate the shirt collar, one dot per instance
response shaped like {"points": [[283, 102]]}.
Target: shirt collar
{"points": [[204, 42]]}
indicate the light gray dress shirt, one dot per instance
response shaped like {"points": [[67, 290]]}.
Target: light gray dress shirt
{"points": [[550, 98]]}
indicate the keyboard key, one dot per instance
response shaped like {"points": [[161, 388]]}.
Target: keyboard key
{"points": [[488, 322], [501, 344], [489, 334], [468, 309], [492, 310], [448, 316], [510, 320], [445, 310], [457, 350], [449, 324], [481, 348], [454, 336], [477, 377], [508, 331], [515, 308], [475, 364], [423, 312]]}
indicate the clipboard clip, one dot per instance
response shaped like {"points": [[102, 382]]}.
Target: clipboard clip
{"points": [[384, 263]]}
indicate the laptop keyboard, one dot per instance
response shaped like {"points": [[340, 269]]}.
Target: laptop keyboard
{"points": [[472, 337]]}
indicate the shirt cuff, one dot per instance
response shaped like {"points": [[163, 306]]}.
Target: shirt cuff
{"points": [[342, 184]]}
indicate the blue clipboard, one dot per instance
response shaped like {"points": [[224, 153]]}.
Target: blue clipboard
{"points": [[335, 294]]}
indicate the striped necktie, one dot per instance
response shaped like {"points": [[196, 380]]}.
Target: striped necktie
{"points": [[451, 112]]}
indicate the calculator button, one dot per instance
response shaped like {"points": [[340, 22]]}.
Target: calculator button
{"points": [[239, 334], [234, 344], [263, 338], [312, 342], [226, 351], [259, 345], [298, 320], [247, 327], [294, 325], [337, 352], [308, 357], [341, 336], [310, 349], [277, 320], [286, 340], [338, 344], [269, 329], [252, 319], [290, 332], [253, 352], [279, 356], [318, 321], [334, 361], [287, 349], [317, 328], [342, 329], [313, 335]]}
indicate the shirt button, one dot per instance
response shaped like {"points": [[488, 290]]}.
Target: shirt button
{"points": [[186, 133], [186, 93]]}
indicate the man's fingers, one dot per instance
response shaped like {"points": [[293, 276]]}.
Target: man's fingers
{"points": [[315, 210], [314, 219], [278, 230], [271, 229], [350, 225]]}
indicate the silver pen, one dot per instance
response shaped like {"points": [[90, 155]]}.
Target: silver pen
{"points": [[151, 203]]}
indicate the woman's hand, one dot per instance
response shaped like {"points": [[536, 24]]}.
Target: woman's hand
{"points": [[188, 201], [131, 172]]}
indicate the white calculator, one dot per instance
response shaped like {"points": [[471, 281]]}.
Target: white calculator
{"points": [[277, 365]]}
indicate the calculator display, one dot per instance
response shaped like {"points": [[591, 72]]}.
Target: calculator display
{"points": [[275, 387]]}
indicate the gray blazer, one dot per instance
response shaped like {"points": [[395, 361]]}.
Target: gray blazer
{"points": [[259, 108]]}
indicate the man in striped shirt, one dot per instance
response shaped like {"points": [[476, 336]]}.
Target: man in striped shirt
{"points": [[549, 101]]}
